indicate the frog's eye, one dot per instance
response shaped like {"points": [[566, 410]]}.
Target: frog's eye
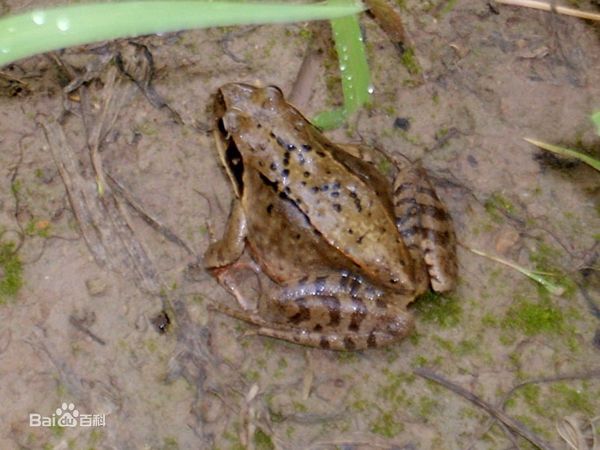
{"points": [[274, 93], [272, 96]]}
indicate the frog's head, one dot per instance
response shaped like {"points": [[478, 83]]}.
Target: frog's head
{"points": [[247, 100]]}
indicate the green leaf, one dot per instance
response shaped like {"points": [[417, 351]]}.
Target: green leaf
{"points": [[596, 120], [43, 30]]}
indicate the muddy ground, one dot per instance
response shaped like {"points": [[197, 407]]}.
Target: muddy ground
{"points": [[85, 327]]}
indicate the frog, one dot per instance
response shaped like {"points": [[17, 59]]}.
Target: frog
{"points": [[345, 247]]}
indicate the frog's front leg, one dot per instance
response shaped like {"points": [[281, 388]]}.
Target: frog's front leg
{"points": [[229, 248], [338, 311], [221, 256]]}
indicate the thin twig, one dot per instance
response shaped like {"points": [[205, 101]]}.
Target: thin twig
{"points": [[79, 324], [152, 221], [548, 7], [497, 413]]}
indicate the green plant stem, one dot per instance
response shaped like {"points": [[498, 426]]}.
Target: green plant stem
{"points": [[43, 30], [354, 68], [566, 152], [553, 288]]}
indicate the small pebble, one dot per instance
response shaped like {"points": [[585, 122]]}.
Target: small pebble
{"points": [[96, 286], [402, 123]]}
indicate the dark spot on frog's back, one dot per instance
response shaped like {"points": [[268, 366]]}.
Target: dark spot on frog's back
{"points": [[270, 208], [337, 207], [324, 342]]}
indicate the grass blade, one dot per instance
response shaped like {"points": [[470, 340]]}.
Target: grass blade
{"points": [[43, 30], [566, 152], [551, 287]]}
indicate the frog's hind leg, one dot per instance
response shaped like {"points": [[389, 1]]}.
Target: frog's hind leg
{"points": [[426, 226], [336, 310]]}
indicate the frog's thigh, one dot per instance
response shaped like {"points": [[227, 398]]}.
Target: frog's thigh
{"points": [[425, 225], [338, 311], [228, 249]]}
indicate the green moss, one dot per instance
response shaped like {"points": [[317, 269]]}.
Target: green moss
{"points": [[449, 6], [572, 399], [360, 405], [498, 205], [16, 187], [38, 227], [252, 376], [387, 425], [419, 361], [305, 34], [534, 318], [465, 347], [146, 128], [489, 320], [10, 271], [170, 443], [151, 345], [300, 407], [347, 357], [443, 310], [409, 61], [384, 166], [427, 406], [262, 440]]}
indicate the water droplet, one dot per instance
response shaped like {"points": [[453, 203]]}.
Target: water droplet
{"points": [[370, 89], [342, 67], [63, 24], [38, 17], [344, 49], [4, 50], [349, 77]]}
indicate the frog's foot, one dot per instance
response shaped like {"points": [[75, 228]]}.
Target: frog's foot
{"points": [[330, 340], [224, 276], [426, 227]]}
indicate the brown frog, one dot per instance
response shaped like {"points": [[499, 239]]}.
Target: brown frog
{"points": [[346, 247]]}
